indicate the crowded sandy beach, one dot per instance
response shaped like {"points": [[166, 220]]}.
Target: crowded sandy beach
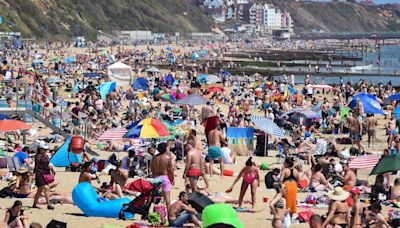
{"points": [[168, 136]]}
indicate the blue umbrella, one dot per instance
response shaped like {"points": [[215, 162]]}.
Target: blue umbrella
{"points": [[395, 97], [369, 102], [168, 48], [396, 112], [192, 100]]}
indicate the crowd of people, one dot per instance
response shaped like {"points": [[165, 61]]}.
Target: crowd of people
{"points": [[314, 158]]}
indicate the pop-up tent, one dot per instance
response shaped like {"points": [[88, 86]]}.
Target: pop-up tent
{"points": [[140, 83], [106, 88], [120, 72], [63, 158]]}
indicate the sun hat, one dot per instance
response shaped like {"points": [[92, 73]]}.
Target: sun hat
{"points": [[22, 170], [220, 214], [44, 146], [338, 194]]}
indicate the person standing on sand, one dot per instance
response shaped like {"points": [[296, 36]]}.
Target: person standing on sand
{"points": [[372, 123], [160, 165], [356, 129], [42, 168], [289, 177], [192, 166], [215, 137]]}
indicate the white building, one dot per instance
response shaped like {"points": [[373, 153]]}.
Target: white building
{"points": [[278, 19], [269, 15]]}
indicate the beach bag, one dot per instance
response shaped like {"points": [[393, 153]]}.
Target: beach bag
{"points": [[155, 219], [310, 199], [6, 192], [305, 216], [161, 209], [287, 221], [48, 178]]}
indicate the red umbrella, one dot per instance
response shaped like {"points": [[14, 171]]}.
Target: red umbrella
{"points": [[215, 89], [364, 162], [13, 125]]}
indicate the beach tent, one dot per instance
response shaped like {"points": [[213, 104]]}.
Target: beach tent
{"points": [[169, 79], [120, 73], [63, 158], [140, 83], [369, 103], [106, 88]]}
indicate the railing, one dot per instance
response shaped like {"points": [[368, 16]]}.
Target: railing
{"points": [[63, 110]]}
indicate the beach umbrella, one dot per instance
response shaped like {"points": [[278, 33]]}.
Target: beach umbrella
{"points": [[369, 103], [167, 97], [364, 162], [148, 128], [267, 126], [396, 112], [212, 79], [13, 125], [168, 48], [192, 100], [215, 89], [153, 70], [322, 86], [113, 134], [395, 97], [387, 164]]}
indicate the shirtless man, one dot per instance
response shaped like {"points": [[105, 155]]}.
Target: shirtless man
{"points": [[349, 178], [160, 165], [196, 143], [86, 176], [192, 166], [356, 130], [181, 212], [391, 130], [215, 137], [372, 123]]}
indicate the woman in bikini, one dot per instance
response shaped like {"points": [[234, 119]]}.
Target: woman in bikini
{"points": [[251, 178], [278, 207], [318, 181], [339, 211], [374, 217]]}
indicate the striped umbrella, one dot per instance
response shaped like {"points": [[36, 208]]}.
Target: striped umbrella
{"points": [[267, 126], [192, 100], [364, 162], [113, 134]]}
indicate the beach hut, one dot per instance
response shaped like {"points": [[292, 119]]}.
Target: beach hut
{"points": [[120, 73]]}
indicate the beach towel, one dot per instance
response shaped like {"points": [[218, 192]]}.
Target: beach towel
{"points": [[291, 196]]}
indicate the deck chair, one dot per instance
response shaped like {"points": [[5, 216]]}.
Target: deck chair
{"points": [[13, 163]]}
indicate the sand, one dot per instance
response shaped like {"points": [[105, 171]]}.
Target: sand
{"points": [[262, 218]]}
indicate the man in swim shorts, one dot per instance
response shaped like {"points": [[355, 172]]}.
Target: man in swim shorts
{"points": [[192, 166], [215, 137], [160, 166]]}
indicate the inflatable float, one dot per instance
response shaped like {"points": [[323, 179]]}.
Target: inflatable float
{"points": [[87, 199]]}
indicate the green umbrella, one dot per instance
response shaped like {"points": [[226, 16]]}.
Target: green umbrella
{"points": [[169, 127], [387, 164]]}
